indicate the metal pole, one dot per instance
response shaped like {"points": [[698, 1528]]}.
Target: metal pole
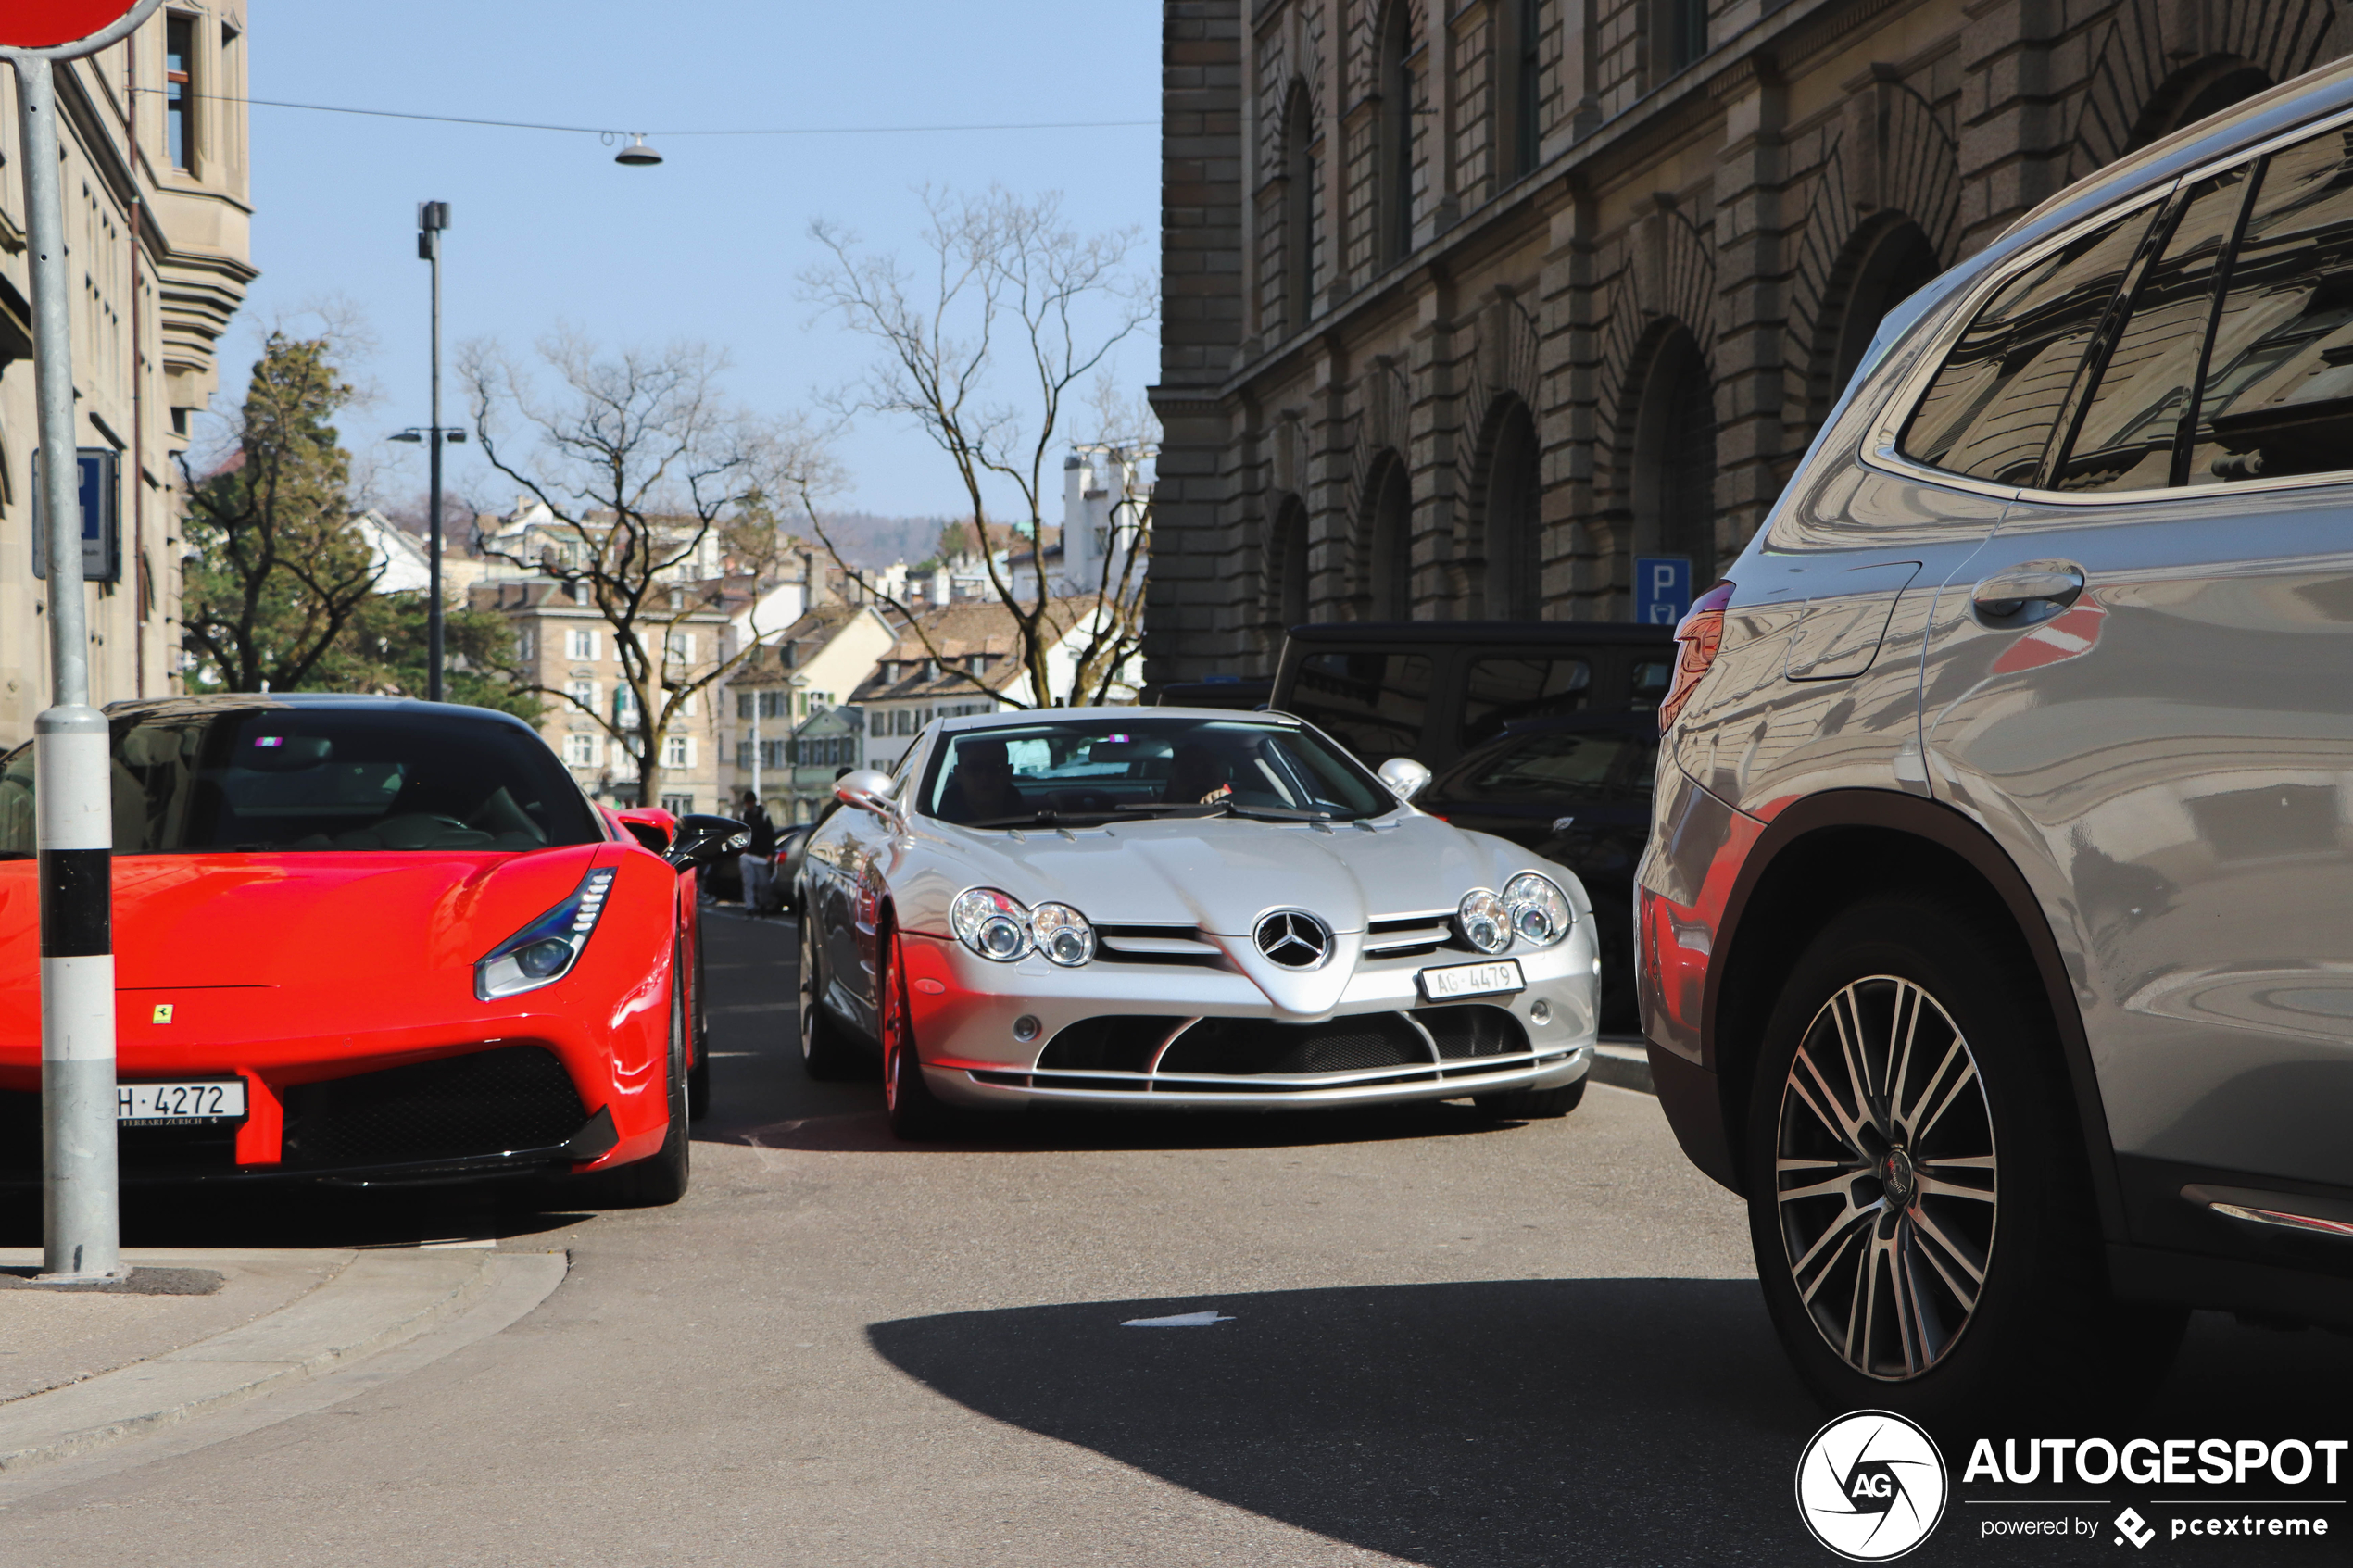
{"points": [[80, 1221], [432, 608]]}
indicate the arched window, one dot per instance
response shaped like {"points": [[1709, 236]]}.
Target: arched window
{"points": [[1519, 35], [1890, 265], [1398, 129], [1299, 200], [1511, 566], [1388, 542], [1286, 567], [2194, 92], [1675, 459]]}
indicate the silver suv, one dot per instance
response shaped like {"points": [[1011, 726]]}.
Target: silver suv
{"points": [[1997, 921]]}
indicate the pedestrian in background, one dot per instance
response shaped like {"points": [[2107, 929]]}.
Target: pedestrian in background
{"points": [[759, 856]]}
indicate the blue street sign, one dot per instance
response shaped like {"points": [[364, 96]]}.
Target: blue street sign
{"points": [[99, 491], [1662, 589]]}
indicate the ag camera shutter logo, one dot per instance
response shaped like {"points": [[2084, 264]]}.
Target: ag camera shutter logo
{"points": [[1871, 1485]]}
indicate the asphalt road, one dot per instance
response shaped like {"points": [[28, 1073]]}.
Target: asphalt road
{"points": [[1447, 1343]]}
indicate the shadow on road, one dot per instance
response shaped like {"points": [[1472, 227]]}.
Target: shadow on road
{"points": [[1087, 1131], [1471, 1425], [1496, 1425]]}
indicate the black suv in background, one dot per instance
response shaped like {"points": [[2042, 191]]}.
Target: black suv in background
{"points": [[1578, 792], [1433, 690]]}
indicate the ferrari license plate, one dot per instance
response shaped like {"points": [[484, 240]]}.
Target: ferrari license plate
{"points": [[1471, 980], [215, 1099]]}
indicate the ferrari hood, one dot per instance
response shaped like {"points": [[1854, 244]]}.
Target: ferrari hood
{"points": [[1221, 875], [312, 919]]}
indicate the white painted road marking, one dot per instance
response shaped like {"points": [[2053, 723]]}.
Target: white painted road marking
{"points": [[1182, 1320]]}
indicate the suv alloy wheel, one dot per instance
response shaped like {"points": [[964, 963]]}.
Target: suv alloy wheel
{"points": [[1919, 1203]]}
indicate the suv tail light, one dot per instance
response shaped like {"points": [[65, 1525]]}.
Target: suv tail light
{"points": [[1696, 638]]}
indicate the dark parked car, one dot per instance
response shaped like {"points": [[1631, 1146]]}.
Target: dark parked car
{"points": [[1432, 690], [1245, 694], [1578, 792]]}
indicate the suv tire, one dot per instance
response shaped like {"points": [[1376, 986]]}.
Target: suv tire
{"points": [[1910, 1112]]}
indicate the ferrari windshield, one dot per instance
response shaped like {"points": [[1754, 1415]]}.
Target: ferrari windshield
{"points": [[303, 777], [1129, 765]]}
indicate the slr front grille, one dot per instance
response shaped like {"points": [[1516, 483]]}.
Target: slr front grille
{"points": [[1137, 1054]]}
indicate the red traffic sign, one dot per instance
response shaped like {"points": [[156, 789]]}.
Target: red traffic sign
{"points": [[42, 24]]}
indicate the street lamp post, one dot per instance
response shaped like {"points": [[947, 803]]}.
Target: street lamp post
{"points": [[432, 219]]}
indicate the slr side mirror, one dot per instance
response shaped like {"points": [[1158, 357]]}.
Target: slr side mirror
{"points": [[869, 790], [1404, 777], [703, 838]]}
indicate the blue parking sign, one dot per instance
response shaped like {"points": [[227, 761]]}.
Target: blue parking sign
{"points": [[1662, 589], [98, 486]]}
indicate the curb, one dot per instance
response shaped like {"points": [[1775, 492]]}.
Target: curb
{"points": [[377, 1301], [1625, 1062]]}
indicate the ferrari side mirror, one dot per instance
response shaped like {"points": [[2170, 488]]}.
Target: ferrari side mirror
{"points": [[1404, 777], [703, 838], [649, 826], [869, 790]]}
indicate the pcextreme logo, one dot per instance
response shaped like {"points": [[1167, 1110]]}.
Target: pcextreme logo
{"points": [[1871, 1485]]}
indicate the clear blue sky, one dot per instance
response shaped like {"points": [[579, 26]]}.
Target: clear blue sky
{"points": [[547, 227]]}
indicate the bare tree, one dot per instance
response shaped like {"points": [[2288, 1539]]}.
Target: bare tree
{"points": [[640, 463], [984, 347]]}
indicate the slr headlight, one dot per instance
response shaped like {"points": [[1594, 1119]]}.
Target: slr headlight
{"points": [[1539, 910], [544, 951], [994, 925], [1062, 934], [1483, 922]]}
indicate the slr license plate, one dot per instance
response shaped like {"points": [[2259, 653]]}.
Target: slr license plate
{"points": [[1471, 980], [166, 1105]]}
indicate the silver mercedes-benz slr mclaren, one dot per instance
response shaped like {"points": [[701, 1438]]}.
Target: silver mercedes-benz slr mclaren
{"points": [[1181, 908]]}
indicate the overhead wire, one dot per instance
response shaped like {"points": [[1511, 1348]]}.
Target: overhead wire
{"points": [[612, 130]]}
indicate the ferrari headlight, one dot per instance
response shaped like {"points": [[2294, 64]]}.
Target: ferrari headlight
{"points": [[994, 925], [1483, 922], [544, 951], [1539, 910], [1062, 934]]}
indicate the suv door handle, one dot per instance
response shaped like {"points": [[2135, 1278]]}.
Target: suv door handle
{"points": [[2056, 584]]}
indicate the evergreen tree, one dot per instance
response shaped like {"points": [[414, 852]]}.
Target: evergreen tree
{"points": [[276, 572]]}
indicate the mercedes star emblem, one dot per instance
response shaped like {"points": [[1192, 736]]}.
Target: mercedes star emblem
{"points": [[1294, 939]]}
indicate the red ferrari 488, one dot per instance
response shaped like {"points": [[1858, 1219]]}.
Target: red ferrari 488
{"points": [[370, 940]]}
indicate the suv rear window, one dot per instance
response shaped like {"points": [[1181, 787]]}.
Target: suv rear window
{"points": [[1990, 412], [297, 779], [2278, 397]]}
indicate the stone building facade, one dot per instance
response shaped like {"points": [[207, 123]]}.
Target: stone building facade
{"points": [[1467, 304], [154, 126]]}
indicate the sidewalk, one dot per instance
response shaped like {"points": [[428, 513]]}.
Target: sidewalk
{"points": [[80, 1369]]}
